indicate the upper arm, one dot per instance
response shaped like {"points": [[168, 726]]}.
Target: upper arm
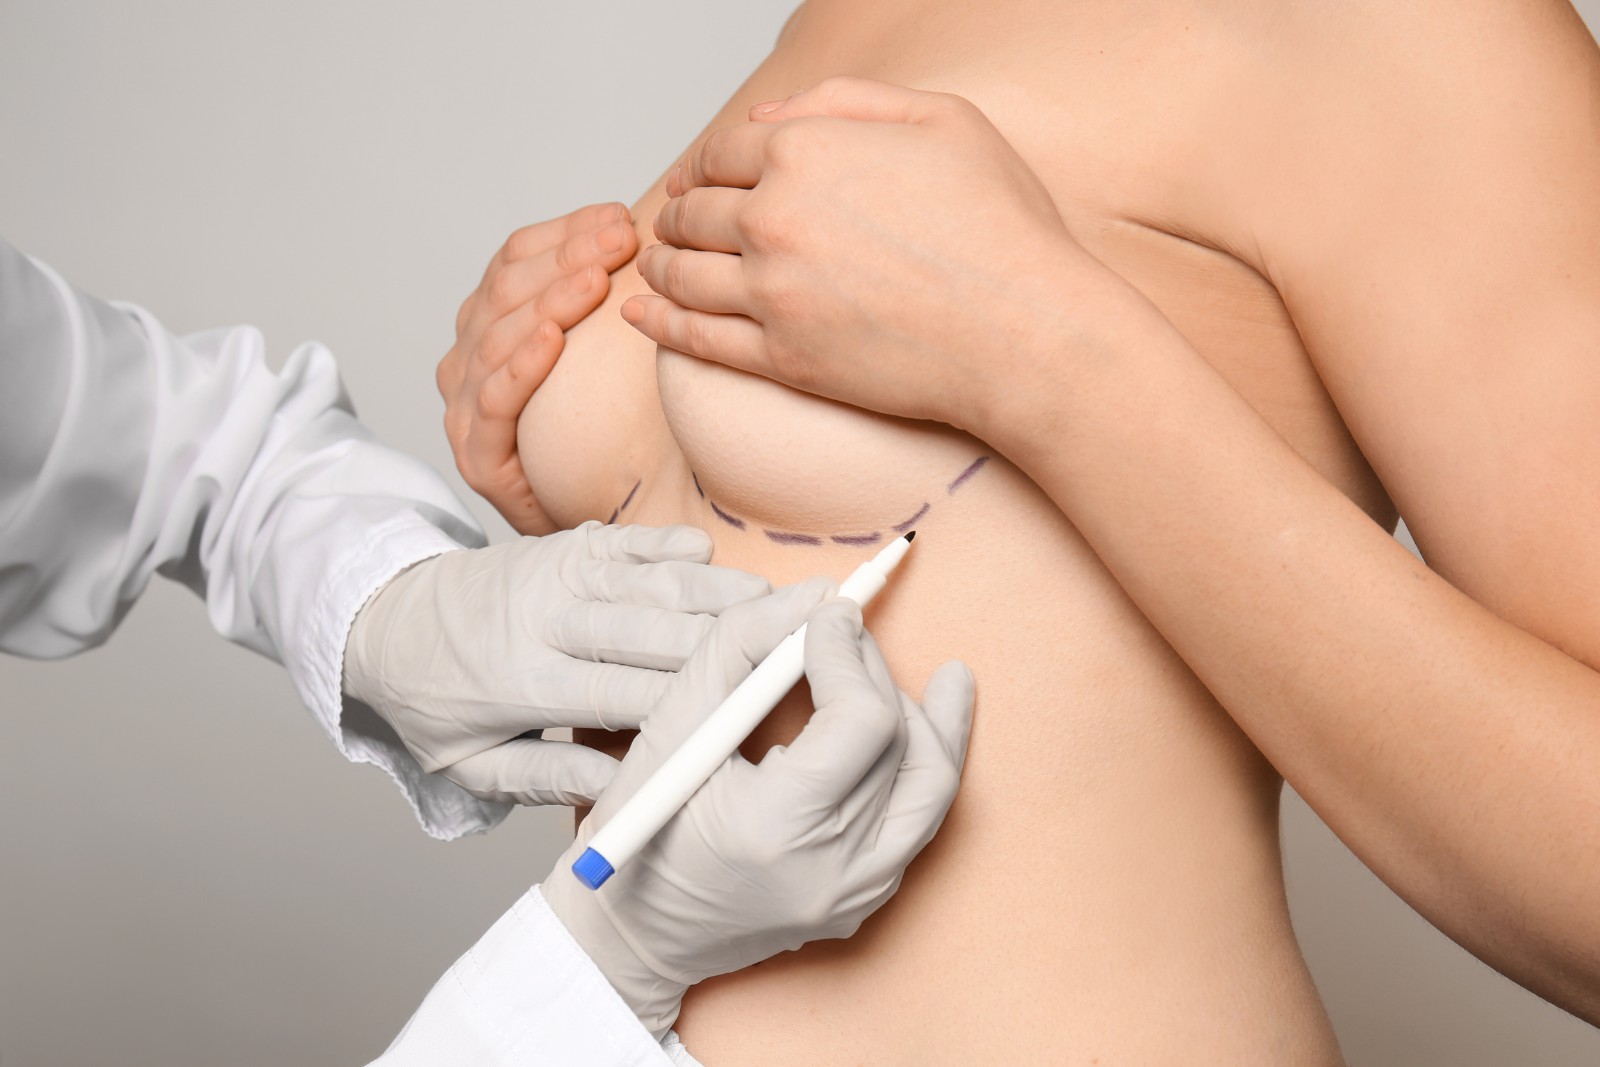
{"points": [[1435, 231]]}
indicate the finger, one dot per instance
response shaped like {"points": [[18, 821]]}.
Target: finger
{"points": [[629, 634], [857, 98], [948, 701], [570, 300], [919, 799], [535, 772], [732, 156], [483, 436], [930, 772], [605, 696], [672, 585], [530, 241], [707, 219], [520, 281], [743, 636], [506, 391], [730, 339], [705, 281], [565, 303], [853, 725]]}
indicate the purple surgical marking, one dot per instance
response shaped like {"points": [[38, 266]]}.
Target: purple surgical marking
{"points": [[625, 502], [697, 488], [737, 524], [902, 527], [857, 539], [961, 478], [783, 538]]}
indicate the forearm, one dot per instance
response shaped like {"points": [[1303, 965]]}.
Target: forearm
{"points": [[1451, 750], [130, 452]]}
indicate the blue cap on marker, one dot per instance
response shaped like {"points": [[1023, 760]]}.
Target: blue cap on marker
{"points": [[592, 869]]}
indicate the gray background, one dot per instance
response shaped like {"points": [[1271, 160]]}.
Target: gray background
{"points": [[189, 875]]}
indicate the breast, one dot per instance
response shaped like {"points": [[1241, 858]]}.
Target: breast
{"points": [[1108, 883]]}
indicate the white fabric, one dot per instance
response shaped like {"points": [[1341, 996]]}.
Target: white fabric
{"points": [[526, 995], [126, 451]]}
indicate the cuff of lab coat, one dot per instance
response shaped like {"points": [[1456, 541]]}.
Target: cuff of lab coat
{"points": [[445, 810], [527, 993]]}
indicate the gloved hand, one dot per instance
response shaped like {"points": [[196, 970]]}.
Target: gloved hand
{"points": [[765, 857], [464, 653]]}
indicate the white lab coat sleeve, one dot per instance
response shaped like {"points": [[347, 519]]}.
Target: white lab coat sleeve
{"points": [[126, 451], [527, 995]]}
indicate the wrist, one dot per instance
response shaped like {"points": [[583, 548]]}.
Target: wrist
{"points": [[1080, 328], [361, 668], [653, 999]]}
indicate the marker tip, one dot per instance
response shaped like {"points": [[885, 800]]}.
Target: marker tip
{"points": [[912, 536]]}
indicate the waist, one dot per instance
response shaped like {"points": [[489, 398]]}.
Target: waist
{"points": [[1108, 882]]}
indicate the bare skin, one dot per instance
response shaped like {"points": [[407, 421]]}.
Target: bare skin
{"points": [[1108, 884], [1443, 721]]}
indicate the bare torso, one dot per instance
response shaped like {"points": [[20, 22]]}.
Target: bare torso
{"points": [[1108, 887]]}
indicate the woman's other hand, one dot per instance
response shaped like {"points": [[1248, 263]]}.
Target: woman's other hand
{"points": [[859, 218], [544, 280]]}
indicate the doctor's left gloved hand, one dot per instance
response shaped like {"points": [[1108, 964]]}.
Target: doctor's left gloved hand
{"points": [[764, 857], [465, 653]]}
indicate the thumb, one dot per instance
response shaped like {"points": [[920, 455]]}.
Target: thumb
{"points": [[741, 638], [930, 770], [947, 699], [856, 98]]}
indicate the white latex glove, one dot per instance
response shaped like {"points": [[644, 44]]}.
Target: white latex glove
{"points": [[469, 654], [765, 857]]}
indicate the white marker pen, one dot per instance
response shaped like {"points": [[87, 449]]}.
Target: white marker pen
{"points": [[686, 770]]}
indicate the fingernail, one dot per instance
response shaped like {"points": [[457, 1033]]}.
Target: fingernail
{"points": [[675, 181], [610, 238], [610, 213], [630, 312], [769, 107]]}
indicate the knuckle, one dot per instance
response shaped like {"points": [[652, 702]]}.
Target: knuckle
{"points": [[567, 257], [697, 333], [675, 272], [665, 221], [495, 348], [764, 227], [832, 85], [786, 144], [501, 294], [685, 211], [521, 244], [455, 432], [712, 152], [446, 374]]}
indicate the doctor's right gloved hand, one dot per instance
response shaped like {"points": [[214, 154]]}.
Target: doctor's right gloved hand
{"points": [[467, 652], [800, 847]]}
